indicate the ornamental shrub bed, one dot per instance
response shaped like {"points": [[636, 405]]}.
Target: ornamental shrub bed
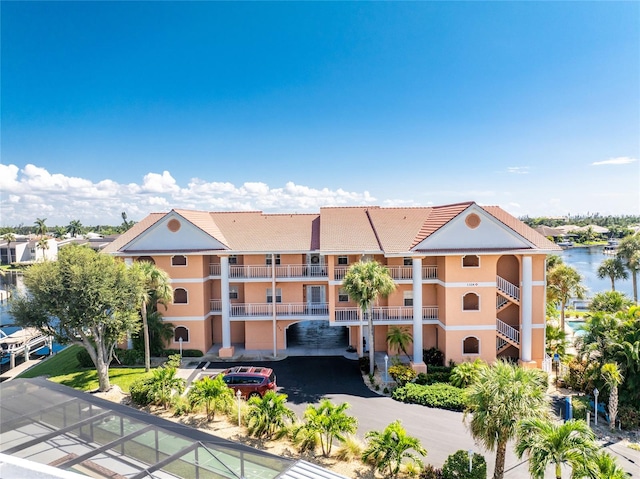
{"points": [[186, 353], [438, 395], [433, 377]]}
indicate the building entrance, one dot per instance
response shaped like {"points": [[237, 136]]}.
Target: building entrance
{"points": [[317, 335]]}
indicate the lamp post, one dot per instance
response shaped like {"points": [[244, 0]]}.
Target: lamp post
{"points": [[470, 452], [595, 414], [180, 341], [238, 395], [386, 363]]}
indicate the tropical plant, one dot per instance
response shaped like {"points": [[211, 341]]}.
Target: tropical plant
{"points": [[612, 268], [612, 378], [268, 416], [330, 422], [609, 302], [601, 466], [41, 227], [74, 228], [466, 373], [213, 393], [564, 283], [156, 288], [84, 298], [164, 384], [350, 449], [364, 281], [629, 252], [399, 339], [387, 449], [402, 374], [556, 340], [43, 244], [502, 395], [9, 238], [456, 466], [549, 443], [553, 260], [59, 232]]}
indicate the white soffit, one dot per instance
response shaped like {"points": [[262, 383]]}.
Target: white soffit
{"points": [[489, 233], [174, 233]]}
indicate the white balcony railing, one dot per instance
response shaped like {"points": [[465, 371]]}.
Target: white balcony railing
{"points": [[386, 313], [397, 272], [282, 309], [266, 271], [214, 269], [508, 288], [215, 305]]}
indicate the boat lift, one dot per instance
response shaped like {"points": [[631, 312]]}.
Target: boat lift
{"points": [[22, 342]]}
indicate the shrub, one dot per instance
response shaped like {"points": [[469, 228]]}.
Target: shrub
{"points": [[84, 359], [430, 472], [433, 377], [350, 449], [363, 361], [580, 405], [457, 466], [402, 374], [629, 417], [186, 353], [129, 357], [576, 378], [433, 357], [439, 395], [141, 393], [173, 361]]}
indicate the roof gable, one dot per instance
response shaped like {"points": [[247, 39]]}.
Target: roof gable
{"points": [[473, 228]]}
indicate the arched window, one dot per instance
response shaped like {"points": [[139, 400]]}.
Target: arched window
{"points": [[471, 302], [148, 259], [178, 260], [471, 261], [471, 345], [181, 333], [180, 296]]}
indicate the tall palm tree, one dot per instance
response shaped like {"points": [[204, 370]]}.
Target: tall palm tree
{"points": [[41, 227], [612, 268], [556, 339], [43, 244], [330, 422], [156, 289], [564, 283], [268, 416], [502, 395], [213, 393], [74, 228], [9, 238], [602, 466], [364, 281], [613, 378], [388, 448], [399, 339], [548, 443], [629, 251]]}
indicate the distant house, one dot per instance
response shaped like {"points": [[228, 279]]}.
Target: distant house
{"points": [[25, 250], [95, 241]]}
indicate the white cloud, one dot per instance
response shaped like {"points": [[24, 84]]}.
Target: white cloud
{"points": [[620, 160], [518, 170]]}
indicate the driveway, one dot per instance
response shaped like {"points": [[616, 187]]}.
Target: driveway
{"points": [[306, 380]]}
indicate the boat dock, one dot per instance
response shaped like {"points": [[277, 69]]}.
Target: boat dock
{"points": [[22, 342]]}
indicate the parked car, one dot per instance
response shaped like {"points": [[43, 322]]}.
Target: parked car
{"points": [[251, 381]]}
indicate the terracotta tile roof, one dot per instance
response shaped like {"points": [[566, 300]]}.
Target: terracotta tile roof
{"points": [[133, 232], [204, 221], [347, 229], [438, 217], [522, 229], [397, 228], [255, 231]]}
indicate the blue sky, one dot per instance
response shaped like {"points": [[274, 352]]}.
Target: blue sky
{"points": [[290, 106]]}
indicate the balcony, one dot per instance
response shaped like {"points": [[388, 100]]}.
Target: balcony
{"points": [[266, 271], [386, 314], [283, 310], [396, 272]]}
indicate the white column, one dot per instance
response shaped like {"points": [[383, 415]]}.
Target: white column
{"points": [[417, 311], [526, 302], [224, 292]]}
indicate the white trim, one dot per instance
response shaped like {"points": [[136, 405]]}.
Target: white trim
{"points": [[173, 296], [188, 334], [538, 283], [491, 327], [471, 310], [178, 319], [538, 326], [186, 261], [479, 345], [191, 280]]}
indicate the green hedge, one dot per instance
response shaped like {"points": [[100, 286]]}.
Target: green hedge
{"points": [[433, 377], [439, 395], [186, 353]]}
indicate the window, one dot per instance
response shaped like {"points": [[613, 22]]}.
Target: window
{"points": [[471, 302], [343, 297], [407, 261], [408, 298], [268, 259], [471, 261], [233, 292], [178, 260], [278, 295], [148, 259], [233, 259], [180, 296], [181, 333], [471, 345], [343, 260]]}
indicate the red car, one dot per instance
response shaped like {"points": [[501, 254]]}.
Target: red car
{"points": [[251, 381]]}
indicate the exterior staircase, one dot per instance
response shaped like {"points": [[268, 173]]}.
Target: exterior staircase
{"points": [[507, 294]]}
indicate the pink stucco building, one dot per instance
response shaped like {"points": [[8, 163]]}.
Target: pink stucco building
{"points": [[470, 279]]}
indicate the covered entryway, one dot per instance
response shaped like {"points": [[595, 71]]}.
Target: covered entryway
{"points": [[316, 336]]}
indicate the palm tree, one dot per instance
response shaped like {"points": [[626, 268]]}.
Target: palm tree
{"points": [[329, 422], [388, 448], [612, 268], [613, 378], [553, 260], [43, 244], [41, 227], [399, 339], [629, 251], [502, 395], [466, 373], [163, 384], [213, 393], [556, 340], [268, 416], [563, 283], [9, 238], [549, 443], [364, 281], [74, 228], [156, 289], [601, 466]]}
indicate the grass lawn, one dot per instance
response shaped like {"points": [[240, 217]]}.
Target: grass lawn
{"points": [[64, 368]]}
